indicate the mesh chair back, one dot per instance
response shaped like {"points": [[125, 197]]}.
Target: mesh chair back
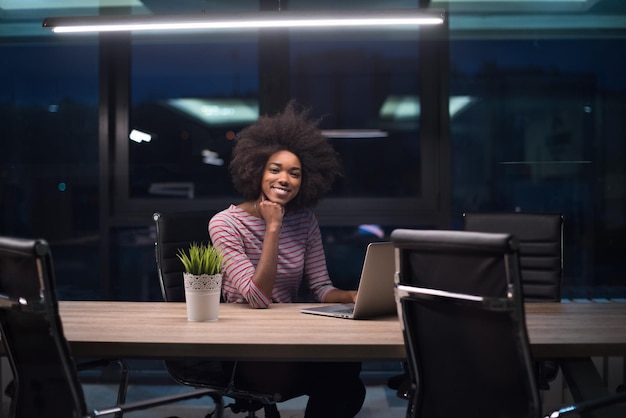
{"points": [[45, 377], [541, 248], [177, 230], [459, 301]]}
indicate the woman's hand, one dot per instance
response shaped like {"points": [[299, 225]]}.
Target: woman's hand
{"points": [[265, 272], [341, 296], [271, 212]]}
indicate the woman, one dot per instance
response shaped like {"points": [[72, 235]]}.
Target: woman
{"points": [[283, 165]]}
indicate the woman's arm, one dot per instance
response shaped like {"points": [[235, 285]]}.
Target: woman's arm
{"points": [[265, 273], [228, 236]]}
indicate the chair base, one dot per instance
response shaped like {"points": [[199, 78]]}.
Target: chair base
{"points": [[251, 407]]}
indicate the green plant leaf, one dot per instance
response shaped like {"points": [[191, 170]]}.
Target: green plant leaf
{"points": [[201, 259]]}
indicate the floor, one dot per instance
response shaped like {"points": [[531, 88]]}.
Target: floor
{"points": [[379, 402]]}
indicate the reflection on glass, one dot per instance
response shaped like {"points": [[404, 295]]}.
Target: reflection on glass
{"points": [[542, 136], [194, 95], [49, 184]]}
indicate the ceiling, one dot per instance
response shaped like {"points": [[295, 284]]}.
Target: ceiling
{"points": [[23, 18]]}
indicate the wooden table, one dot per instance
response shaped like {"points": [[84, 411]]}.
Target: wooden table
{"points": [[576, 329], [573, 332], [160, 330]]}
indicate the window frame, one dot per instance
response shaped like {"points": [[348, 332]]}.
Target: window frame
{"points": [[430, 208]]}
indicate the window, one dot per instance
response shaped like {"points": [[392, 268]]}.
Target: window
{"points": [[541, 133], [191, 94], [49, 185]]}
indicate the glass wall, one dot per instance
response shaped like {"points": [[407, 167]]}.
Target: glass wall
{"points": [[49, 185], [540, 133], [365, 87], [536, 104], [192, 94]]}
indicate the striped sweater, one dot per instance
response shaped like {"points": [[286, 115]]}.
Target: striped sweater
{"points": [[239, 236]]}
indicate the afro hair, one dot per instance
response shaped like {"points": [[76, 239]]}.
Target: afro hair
{"points": [[293, 131]]}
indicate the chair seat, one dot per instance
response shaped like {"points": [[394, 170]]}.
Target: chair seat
{"points": [[198, 372]]}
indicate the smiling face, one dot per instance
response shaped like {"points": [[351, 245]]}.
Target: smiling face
{"points": [[282, 177]]}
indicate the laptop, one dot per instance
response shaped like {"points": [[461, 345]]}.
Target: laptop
{"points": [[376, 297]]}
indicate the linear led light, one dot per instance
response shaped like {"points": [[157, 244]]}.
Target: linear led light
{"points": [[257, 20]]}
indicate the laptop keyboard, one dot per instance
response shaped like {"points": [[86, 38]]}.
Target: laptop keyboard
{"points": [[345, 310]]}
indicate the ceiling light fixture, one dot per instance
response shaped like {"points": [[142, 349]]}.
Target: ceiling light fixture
{"points": [[257, 20]]}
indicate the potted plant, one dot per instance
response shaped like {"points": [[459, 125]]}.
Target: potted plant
{"points": [[203, 280]]}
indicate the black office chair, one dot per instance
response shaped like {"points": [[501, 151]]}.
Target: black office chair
{"points": [[176, 230], [540, 237], [462, 312], [45, 377]]}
